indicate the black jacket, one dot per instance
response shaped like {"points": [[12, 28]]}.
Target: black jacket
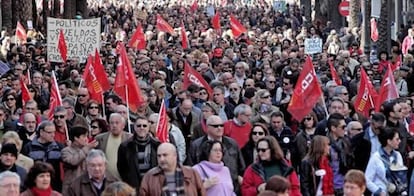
{"points": [[307, 178], [361, 148]]}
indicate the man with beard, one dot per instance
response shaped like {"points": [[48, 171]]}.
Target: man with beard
{"points": [[240, 72], [235, 97]]}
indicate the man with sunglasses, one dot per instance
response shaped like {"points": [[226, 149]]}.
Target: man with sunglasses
{"points": [[138, 154]]}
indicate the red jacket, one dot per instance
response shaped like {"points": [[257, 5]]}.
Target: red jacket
{"points": [[239, 133], [253, 178]]}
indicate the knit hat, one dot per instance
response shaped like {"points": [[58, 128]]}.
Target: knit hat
{"points": [[9, 148]]}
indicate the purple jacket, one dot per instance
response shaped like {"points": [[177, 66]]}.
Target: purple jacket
{"points": [[208, 169]]}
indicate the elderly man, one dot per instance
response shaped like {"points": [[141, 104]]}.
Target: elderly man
{"points": [[170, 178], [73, 119], [239, 127], [60, 122], [109, 142], [138, 154], [123, 110], [185, 119], [9, 183], [8, 158], [81, 106], [28, 131], [94, 180]]}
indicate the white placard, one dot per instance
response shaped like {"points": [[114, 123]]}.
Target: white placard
{"points": [[81, 36], [313, 45]]}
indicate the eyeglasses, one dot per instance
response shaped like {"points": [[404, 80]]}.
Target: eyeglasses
{"points": [[151, 122], [234, 89], [162, 86], [10, 99], [260, 133], [94, 127], [217, 125], [203, 93], [271, 81], [80, 95], [265, 97], [59, 116], [344, 93], [139, 125], [94, 107], [357, 129], [308, 118], [285, 83], [262, 149], [30, 109], [342, 126]]}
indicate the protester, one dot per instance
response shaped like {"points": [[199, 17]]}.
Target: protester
{"points": [[39, 180], [355, 183], [9, 183], [119, 189], [280, 185], [11, 137], [249, 151]]}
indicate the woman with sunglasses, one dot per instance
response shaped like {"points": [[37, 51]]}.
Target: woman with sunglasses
{"points": [[98, 126], [262, 105], [270, 162], [10, 103], [249, 150], [304, 137], [93, 112], [208, 109]]}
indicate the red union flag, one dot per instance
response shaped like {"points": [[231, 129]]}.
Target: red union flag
{"points": [[192, 76], [396, 65], [138, 39], [184, 39], [21, 32], [163, 26], [55, 99], [162, 128], [92, 83], [365, 99], [236, 27], [63, 50], [388, 90], [374, 30], [215, 21], [307, 92], [194, 6], [25, 91], [100, 71], [334, 74]]}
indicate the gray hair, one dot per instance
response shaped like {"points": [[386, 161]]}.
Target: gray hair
{"points": [[45, 124], [59, 109], [241, 109], [95, 153], [8, 174], [113, 115], [70, 101], [338, 90]]}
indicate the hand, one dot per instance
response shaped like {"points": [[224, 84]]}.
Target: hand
{"points": [[68, 142], [411, 154], [210, 182], [261, 187], [240, 179], [92, 144]]}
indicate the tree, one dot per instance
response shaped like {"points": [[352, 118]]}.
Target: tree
{"points": [[6, 14], [23, 11], [306, 7], [384, 23], [355, 9]]}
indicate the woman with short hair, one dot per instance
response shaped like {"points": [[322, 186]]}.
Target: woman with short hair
{"points": [[38, 181]]}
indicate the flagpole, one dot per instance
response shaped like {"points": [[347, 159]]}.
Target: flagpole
{"points": [[103, 106], [127, 102], [80, 85], [324, 106]]}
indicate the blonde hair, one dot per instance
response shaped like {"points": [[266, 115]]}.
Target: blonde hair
{"points": [[119, 189], [12, 137]]}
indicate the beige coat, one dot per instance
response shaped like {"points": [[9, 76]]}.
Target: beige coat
{"points": [[83, 186], [25, 162], [102, 139]]}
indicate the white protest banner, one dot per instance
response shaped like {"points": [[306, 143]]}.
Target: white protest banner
{"points": [[313, 45], [82, 37], [279, 6]]}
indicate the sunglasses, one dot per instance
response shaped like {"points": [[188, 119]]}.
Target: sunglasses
{"points": [[271, 81], [358, 129], [217, 125], [262, 149], [139, 125], [94, 107], [94, 127], [308, 118], [151, 122], [10, 99], [285, 83], [265, 97], [234, 89], [81, 95], [203, 93], [258, 133], [59, 116]]}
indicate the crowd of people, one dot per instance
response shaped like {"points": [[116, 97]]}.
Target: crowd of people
{"points": [[239, 139]]}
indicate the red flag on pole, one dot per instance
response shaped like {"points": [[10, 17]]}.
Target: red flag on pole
{"points": [[25, 91], [215, 21], [236, 27], [307, 92], [126, 85], [138, 39], [374, 30], [100, 71], [63, 50], [162, 129], [396, 65], [55, 99], [92, 76], [192, 76], [194, 6], [388, 89], [365, 99], [184, 39], [21, 32], [334, 74], [163, 26]]}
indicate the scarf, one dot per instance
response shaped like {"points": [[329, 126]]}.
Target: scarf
{"points": [[327, 180], [144, 143], [40, 192], [179, 184], [204, 126]]}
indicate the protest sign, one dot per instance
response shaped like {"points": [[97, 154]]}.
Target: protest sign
{"points": [[279, 6], [313, 45], [81, 36]]}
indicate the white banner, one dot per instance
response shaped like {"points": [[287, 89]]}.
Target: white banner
{"points": [[313, 45], [82, 37]]}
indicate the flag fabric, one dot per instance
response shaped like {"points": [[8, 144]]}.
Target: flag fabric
{"points": [[184, 39], [194, 6], [374, 30], [334, 74], [236, 27], [25, 91], [55, 99], [92, 76], [215, 21], [396, 65], [100, 71], [63, 50], [126, 85], [21, 32], [162, 128], [192, 76], [366, 97], [306, 93], [4, 68], [163, 26], [388, 90], [138, 39]]}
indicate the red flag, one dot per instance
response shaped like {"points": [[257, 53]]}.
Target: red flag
{"points": [[55, 99], [192, 76], [162, 129], [138, 39], [365, 99], [388, 89], [334, 74], [25, 91], [194, 6], [184, 39], [100, 71], [396, 65], [163, 26], [92, 81], [62, 46], [374, 30], [126, 85], [236, 27], [307, 92], [21, 32], [215, 21]]}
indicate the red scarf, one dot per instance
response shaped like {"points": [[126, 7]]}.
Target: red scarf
{"points": [[327, 180], [41, 192]]}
